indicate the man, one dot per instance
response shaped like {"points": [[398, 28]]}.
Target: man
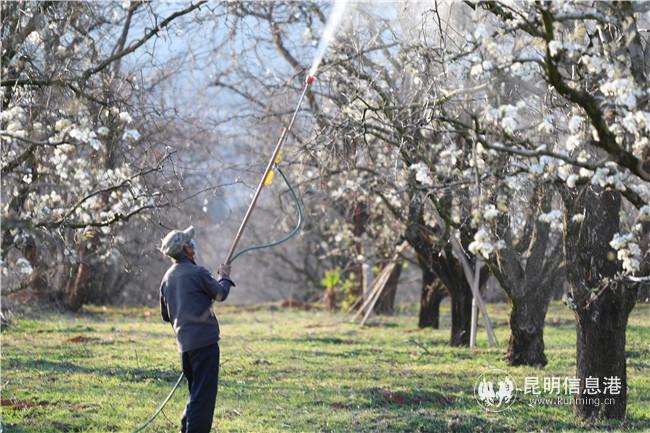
{"points": [[186, 294]]}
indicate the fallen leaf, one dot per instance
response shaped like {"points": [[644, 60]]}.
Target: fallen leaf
{"points": [[395, 397], [80, 339], [22, 404]]}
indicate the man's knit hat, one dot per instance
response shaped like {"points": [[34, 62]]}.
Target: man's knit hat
{"points": [[173, 243]]}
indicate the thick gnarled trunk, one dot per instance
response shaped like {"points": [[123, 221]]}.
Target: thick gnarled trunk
{"points": [[601, 301], [527, 271], [526, 345], [601, 355]]}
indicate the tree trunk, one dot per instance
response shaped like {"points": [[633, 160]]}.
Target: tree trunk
{"points": [[360, 216], [433, 292], [445, 267], [601, 355], [386, 302], [39, 273], [600, 299], [528, 271], [79, 289], [329, 300], [76, 293], [461, 315], [526, 346]]}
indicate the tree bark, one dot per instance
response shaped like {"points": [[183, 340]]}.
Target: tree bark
{"points": [[600, 299], [461, 315], [601, 355], [450, 271], [79, 289], [526, 345], [528, 272], [39, 268], [329, 299], [433, 292], [360, 216], [446, 268]]}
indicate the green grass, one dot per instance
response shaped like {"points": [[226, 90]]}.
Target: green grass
{"points": [[291, 371]]}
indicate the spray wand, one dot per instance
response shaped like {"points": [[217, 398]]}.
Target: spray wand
{"points": [[268, 173]]}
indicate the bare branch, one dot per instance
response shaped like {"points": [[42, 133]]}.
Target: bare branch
{"points": [[148, 35]]}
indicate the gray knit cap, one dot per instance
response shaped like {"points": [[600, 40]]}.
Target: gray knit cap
{"points": [[173, 243]]}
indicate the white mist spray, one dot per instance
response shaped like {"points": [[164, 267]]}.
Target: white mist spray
{"points": [[328, 34]]}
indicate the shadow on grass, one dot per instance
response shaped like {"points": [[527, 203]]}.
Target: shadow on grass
{"points": [[379, 324], [61, 367], [380, 397], [52, 426], [385, 399], [329, 340], [629, 424], [55, 425]]}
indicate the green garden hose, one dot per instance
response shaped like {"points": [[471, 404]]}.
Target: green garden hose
{"points": [[290, 235]]}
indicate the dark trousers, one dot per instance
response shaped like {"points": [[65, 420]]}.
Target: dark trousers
{"points": [[201, 368]]}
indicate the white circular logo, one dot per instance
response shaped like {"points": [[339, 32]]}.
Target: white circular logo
{"points": [[495, 390]]}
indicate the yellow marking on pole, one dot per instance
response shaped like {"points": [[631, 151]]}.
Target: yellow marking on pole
{"points": [[269, 177]]}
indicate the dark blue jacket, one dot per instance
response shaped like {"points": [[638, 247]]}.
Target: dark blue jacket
{"points": [[186, 294]]}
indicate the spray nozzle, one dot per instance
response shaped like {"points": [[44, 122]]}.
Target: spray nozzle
{"points": [[310, 79]]}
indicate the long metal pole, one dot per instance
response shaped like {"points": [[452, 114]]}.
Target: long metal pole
{"points": [[269, 167]]}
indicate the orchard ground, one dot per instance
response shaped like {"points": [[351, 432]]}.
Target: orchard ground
{"points": [[107, 369]]}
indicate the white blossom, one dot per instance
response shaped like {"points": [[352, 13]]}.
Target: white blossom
{"points": [[594, 64], [62, 124], [546, 126], [131, 134], [575, 124], [490, 212], [23, 266], [603, 178], [643, 120], [125, 117], [628, 251], [422, 173], [554, 218], [644, 213], [571, 180], [554, 47], [578, 218], [623, 90], [640, 146], [482, 244], [34, 38]]}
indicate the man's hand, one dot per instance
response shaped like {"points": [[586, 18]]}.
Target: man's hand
{"points": [[224, 270]]}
